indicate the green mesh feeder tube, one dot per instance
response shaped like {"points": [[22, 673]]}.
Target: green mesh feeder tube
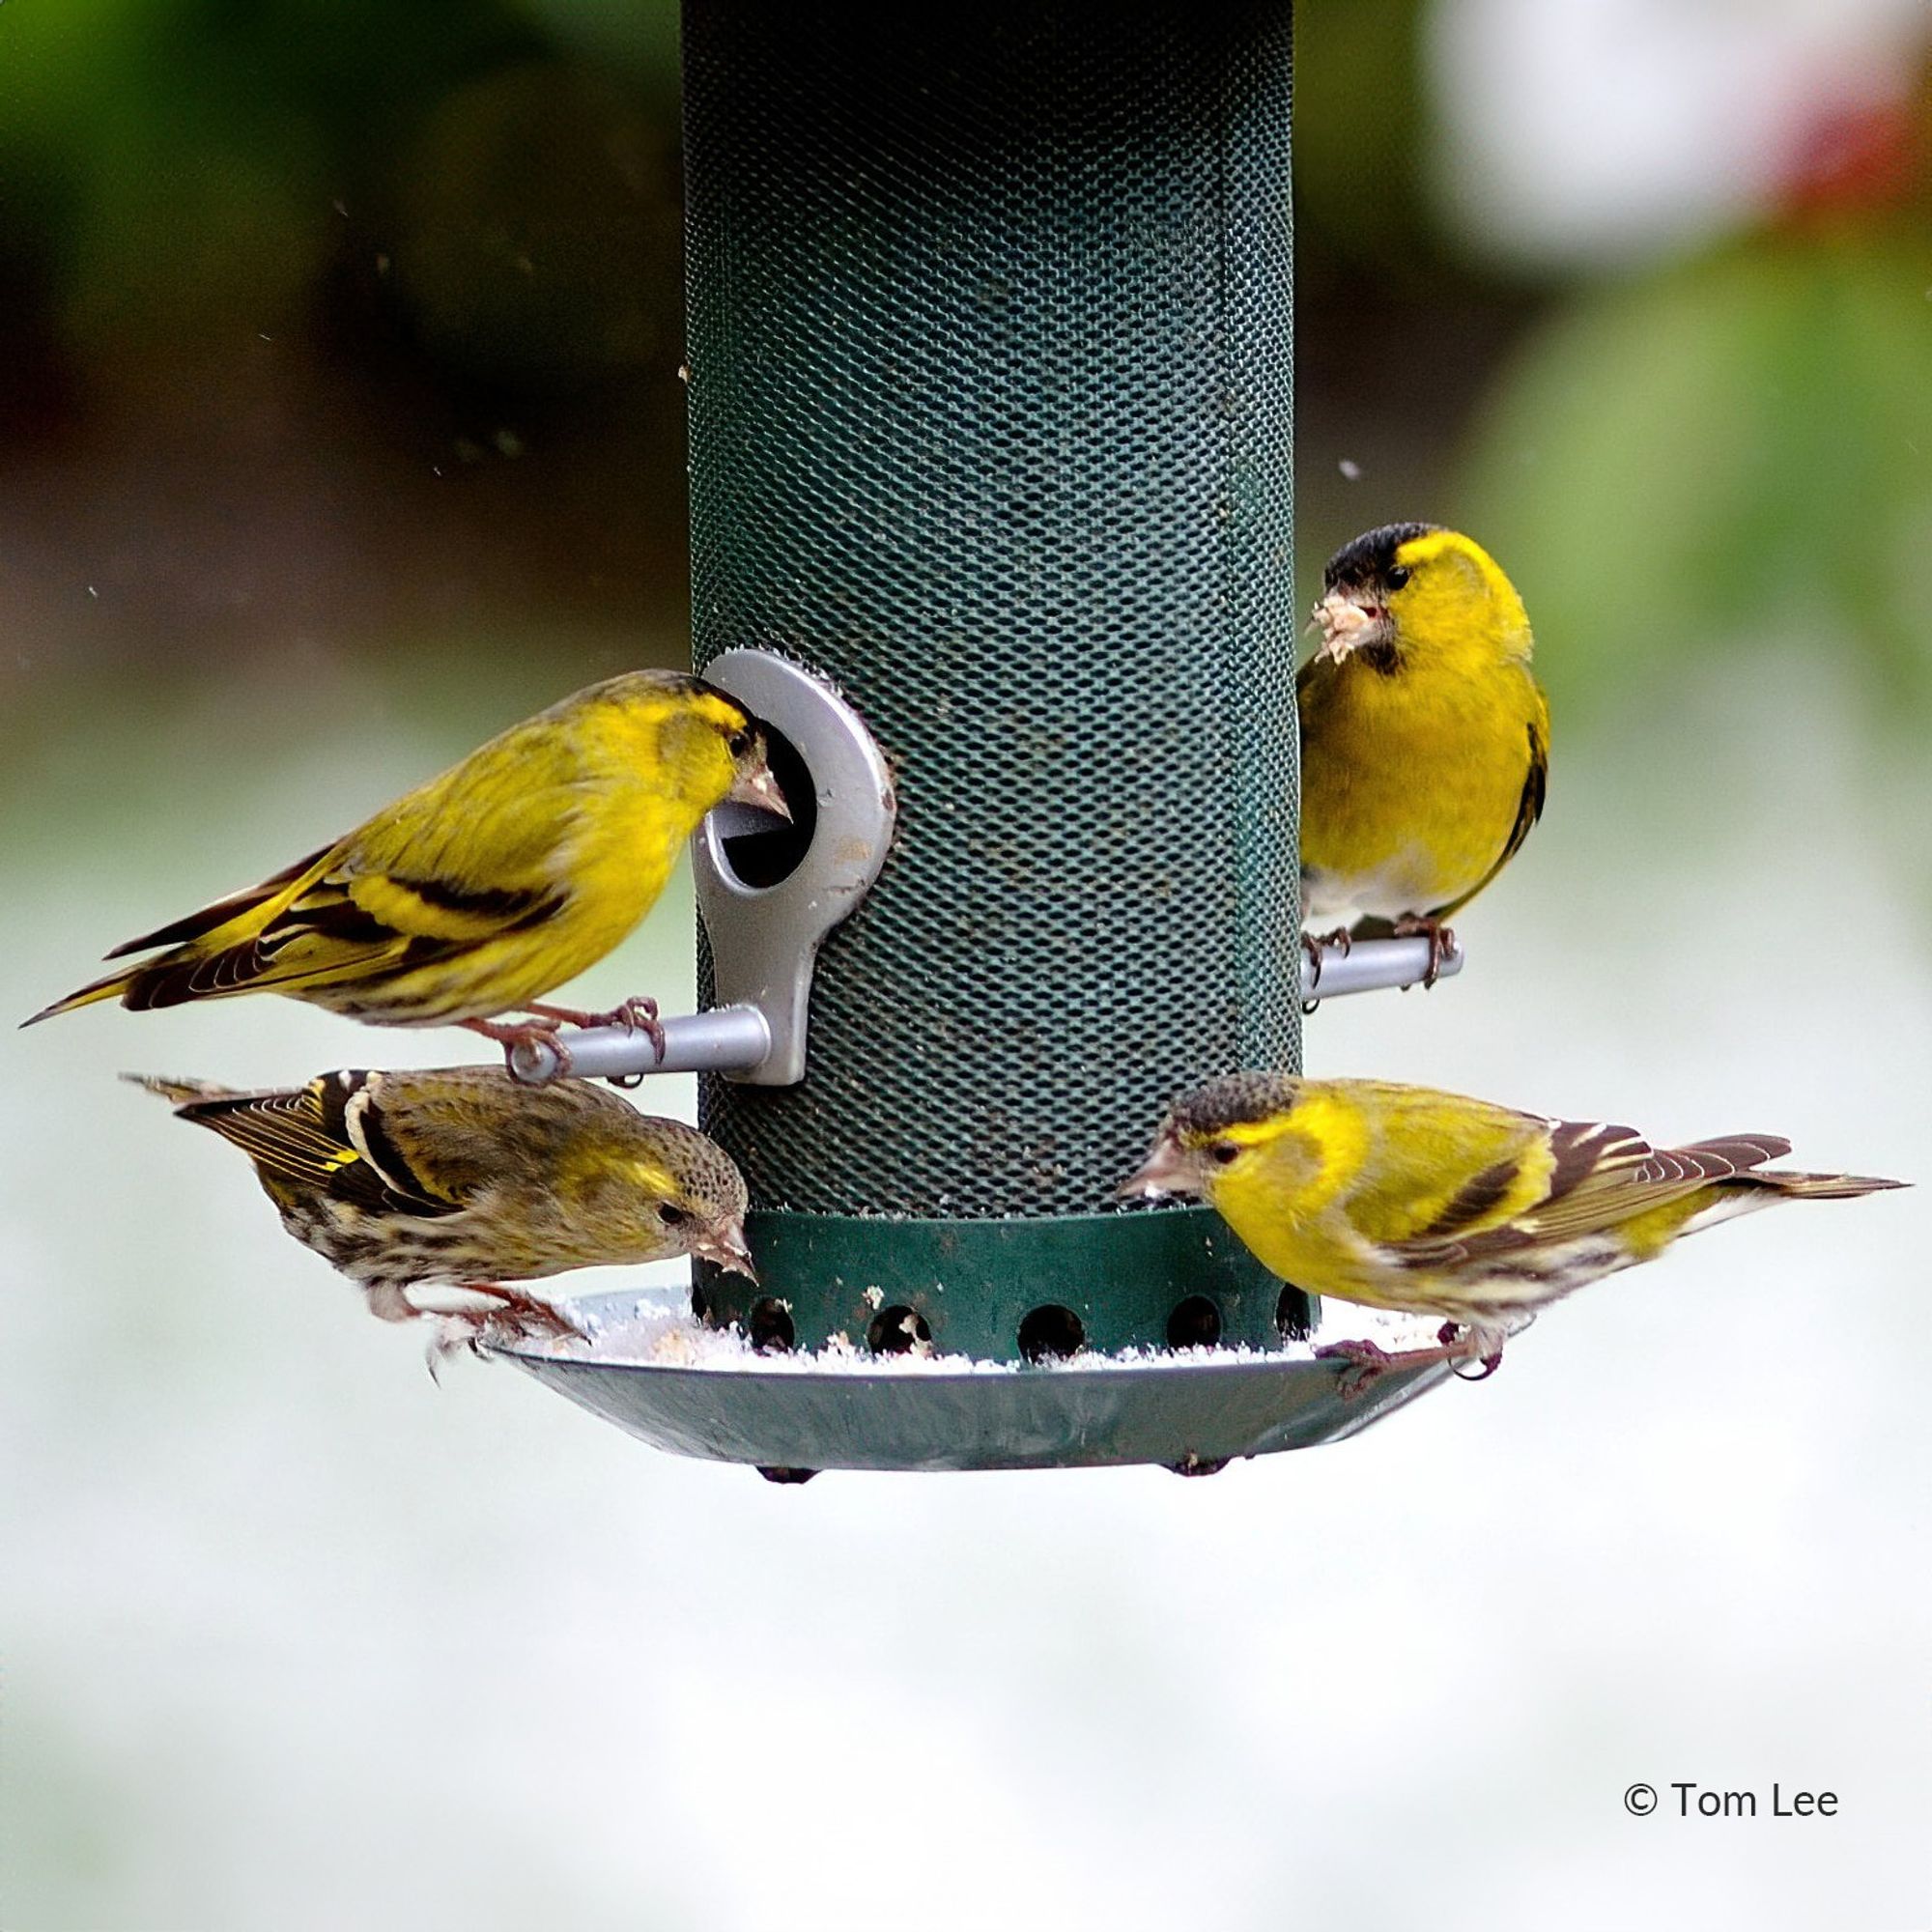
{"points": [[990, 354], [989, 334]]}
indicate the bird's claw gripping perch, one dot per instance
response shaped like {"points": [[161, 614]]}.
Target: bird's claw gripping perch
{"points": [[529, 1316], [510, 1035], [636, 1014], [1372, 955], [1441, 943], [544, 1030], [1367, 1363], [1472, 1367], [1341, 941], [517, 1317]]}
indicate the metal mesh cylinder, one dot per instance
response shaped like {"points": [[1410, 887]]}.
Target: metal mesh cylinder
{"points": [[989, 334]]}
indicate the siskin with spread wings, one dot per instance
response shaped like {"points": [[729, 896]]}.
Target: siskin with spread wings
{"points": [[485, 888], [464, 1179], [1425, 738], [1408, 1199]]}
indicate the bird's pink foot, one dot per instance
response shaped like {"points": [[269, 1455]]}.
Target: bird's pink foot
{"points": [[1441, 943], [510, 1035], [527, 1314], [636, 1014], [1470, 1345], [516, 1317], [1368, 1364], [1314, 945]]}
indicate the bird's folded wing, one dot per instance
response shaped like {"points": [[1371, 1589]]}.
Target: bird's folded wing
{"points": [[371, 925], [448, 1128], [1528, 809], [1602, 1178], [482, 850], [431, 908], [327, 1135], [286, 884]]}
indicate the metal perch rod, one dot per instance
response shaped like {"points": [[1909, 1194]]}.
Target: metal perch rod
{"points": [[1370, 965], [734, 1039], [725, 1039]]}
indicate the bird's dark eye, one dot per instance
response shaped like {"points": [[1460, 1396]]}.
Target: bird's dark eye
{"points": [[672, 1217], [1397, 576], [1222, 1153], [741, 741]]}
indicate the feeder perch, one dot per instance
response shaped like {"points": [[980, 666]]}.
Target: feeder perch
{"points": [[989, 347]]}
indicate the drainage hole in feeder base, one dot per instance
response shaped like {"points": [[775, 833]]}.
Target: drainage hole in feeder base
{"points": [[1294, 1316], [897, 1330], [1051, 1330], [769, 1325], [1195, 1324]]}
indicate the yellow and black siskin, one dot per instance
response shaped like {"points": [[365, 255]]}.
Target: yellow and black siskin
{"points": [[485, 888], [460, 1177], [1425, 738], [1427, 1203]]}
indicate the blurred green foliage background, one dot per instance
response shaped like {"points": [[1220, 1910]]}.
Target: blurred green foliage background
{"points": [[340, 424], [332, 326], [336, 327]]}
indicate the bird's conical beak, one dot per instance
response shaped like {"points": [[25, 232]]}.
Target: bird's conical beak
{"points": [[1348, 624], [756, 786], [1165, 1171], [728, 1249]]}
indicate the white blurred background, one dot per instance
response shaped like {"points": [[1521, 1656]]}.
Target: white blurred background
{"points": [[293, 1638]]}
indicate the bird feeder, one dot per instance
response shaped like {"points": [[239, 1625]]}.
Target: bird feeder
{"points": [[989, 317]]}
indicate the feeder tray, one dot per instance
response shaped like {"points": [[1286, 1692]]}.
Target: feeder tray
{"points": [[989, 318], [1192, 1415]]}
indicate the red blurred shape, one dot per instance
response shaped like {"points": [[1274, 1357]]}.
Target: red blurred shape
{"points": [[1854, 157]]}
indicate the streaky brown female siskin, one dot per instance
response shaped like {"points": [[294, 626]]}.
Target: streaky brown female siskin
{"points": [[1428, 1203], [482, 889], [1425, 737], [460, 1177]]}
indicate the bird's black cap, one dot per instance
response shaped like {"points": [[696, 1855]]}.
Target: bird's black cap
{"points": [[1231, 1100], [1369, 558]]}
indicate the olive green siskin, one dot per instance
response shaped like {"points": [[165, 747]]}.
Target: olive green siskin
{"points": [[1425, 737], [460, 1177], [485, 888], [1430, 1204]]}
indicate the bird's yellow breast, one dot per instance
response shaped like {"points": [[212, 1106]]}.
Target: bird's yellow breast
{"points": [[1412, 778], [650, 775]]}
